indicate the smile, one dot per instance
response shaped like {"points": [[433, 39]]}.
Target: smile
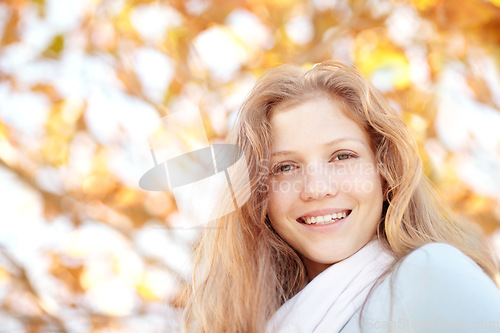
{"points": [[325, 219]]}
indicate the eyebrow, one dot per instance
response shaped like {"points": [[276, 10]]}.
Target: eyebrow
{"points": [[328, 144]]}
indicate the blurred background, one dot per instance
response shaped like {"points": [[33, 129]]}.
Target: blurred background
{"points": [[82, 247]]}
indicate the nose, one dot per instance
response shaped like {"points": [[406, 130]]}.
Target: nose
{"points": [[318, 183]]}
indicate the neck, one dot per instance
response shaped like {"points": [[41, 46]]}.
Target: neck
{"points": [[313, 269]]}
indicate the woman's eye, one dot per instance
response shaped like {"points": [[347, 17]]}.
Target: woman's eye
{"points": [[344, 156], [283, 168]]}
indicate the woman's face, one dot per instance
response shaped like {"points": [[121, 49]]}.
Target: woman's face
{"points": [[325, 191]]}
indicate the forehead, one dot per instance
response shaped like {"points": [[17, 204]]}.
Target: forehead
{"points": [[316, 120]]}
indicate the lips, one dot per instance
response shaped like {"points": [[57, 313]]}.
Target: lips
{"points": [[324, 217]]}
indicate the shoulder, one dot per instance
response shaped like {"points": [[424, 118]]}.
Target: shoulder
{"points": [[439, 259], [436, 288], [438, 254], [439, 285], [439, 265]]}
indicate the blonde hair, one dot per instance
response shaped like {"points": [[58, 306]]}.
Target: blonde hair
{"points": [[244, 271]]}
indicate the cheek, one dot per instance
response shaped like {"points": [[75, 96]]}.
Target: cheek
{"points": [[281, 198], [364, 183], [369, 192], [275, 212], [365, 189]]}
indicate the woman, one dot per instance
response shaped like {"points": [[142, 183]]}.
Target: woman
{"points": [[342, 232]]}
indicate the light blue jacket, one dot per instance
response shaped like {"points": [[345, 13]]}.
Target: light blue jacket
{"points": [[436, 289]]}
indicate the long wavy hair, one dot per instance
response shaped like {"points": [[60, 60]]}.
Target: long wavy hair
{"points": [[244, 271]]}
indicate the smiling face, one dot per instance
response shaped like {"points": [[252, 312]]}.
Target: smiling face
{"points": [[325, 192]]}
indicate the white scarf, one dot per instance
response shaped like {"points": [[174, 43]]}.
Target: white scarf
{"points": [[332, 297]]}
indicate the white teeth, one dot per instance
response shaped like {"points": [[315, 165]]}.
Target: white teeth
{"points": [[325, 219]]}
